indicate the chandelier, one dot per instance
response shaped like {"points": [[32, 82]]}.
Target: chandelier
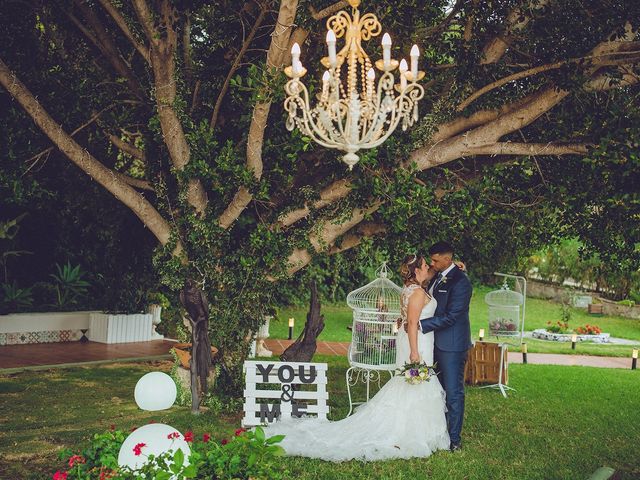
{"points": [[354, 114]]}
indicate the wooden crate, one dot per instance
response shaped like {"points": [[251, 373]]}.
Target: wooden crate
{"points": [[483, 363], [595, 309]]}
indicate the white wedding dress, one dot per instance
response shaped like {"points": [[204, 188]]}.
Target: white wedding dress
{"points": [[400, 421]]}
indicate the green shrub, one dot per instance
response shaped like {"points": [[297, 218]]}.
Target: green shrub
{"points": [[248, 454]]}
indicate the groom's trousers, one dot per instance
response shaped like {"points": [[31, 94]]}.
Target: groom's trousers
{"points": [[451, 367]]}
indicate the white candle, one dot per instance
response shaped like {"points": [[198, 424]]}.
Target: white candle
{"points": [[386, 51], [295, 59], [326, 76], [415, 53], [371, 76], [331, 45], [403, 78]]}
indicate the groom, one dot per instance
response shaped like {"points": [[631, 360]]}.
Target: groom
{"points": [[452, 290]]}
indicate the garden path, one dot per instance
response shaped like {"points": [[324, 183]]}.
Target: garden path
{"points": [[43, 356]]}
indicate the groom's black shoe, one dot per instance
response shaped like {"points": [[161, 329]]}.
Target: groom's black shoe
{"points": [[455, 447]]}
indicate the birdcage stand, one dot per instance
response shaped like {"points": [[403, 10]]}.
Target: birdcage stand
{"points": [[503, 345], [355, 375]]}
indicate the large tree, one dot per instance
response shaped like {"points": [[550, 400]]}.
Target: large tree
{"points": [[175, 108]]}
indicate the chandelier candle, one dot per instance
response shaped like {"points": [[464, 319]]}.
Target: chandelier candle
{"points": [[415, 53], [386, 52], [331, 47], [355, 109]]}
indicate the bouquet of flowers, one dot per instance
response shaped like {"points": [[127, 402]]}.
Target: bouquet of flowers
{"points": [[418, 372]]}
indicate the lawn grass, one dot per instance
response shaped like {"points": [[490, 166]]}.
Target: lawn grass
{"points": [[538, 313], [560, 423]]}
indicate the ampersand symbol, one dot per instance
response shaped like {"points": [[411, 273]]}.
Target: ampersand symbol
{"points": [[286, 395]]}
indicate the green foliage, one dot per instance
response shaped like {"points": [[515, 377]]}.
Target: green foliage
{"points": [[571, 260], [495, 213], [14, 298], [69, 285], [248, 454]]}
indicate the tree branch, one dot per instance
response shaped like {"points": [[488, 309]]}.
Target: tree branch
{"points": [[34, 160], [323, 240], [330, 10], [126, 147], [335, 191], [122, 24], [529, 149], [236, 64], [146, 20], [276, 56], [517, 20], [108, 48], [597, 60], [83, 159], [163, 51], [353, 239]]}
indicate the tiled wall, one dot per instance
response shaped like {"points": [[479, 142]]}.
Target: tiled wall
{"points": [[22, 338]]}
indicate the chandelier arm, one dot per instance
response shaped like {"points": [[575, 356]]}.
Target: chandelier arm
{"points": [[295, 88]]}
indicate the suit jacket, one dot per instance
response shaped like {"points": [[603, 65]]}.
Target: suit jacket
{"points": [[450, 322]]}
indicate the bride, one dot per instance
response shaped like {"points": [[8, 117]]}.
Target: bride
{"points": [[402, 420]]}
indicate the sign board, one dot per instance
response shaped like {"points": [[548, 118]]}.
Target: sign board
{"points": [[275, 390]]}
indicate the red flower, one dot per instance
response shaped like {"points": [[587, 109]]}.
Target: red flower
{"points": [[106, 474], [60, 475], [206, 437], [138, 448], [224, 441], [188, 436], [173, 435], [76, 459], [112, 427], [240, 431]]}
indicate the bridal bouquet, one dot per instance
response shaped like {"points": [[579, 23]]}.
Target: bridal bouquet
{"points": [[415, 373]]}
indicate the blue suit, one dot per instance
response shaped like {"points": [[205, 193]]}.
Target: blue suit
{"points": [[452, 333]]}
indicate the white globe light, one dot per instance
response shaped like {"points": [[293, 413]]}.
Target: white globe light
{"points": [[155, 391], [157, 439]]}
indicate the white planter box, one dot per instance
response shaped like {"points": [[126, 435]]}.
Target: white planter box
{"points": [[42, 327], [106, 328], [542, 334]]}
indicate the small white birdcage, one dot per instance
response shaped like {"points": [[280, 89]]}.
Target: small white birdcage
{"points": [[376, 307], [505, 318]]}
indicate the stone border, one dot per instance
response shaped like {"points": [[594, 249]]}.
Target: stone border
{"points": [[542, 334]]}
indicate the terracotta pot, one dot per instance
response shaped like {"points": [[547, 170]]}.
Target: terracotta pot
{"points": [[183, 351]]}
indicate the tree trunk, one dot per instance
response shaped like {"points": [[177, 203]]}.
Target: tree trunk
{"points": [[195, 303], [304, 347]]}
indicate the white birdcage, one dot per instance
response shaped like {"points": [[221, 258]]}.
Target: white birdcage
{"points": [[505, 317], [376, 307]]}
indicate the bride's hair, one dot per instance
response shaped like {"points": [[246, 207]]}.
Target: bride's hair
{"points": [[409, 266]]}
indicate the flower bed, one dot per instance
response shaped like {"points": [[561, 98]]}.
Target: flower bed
{"points": [[543, 334]]}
